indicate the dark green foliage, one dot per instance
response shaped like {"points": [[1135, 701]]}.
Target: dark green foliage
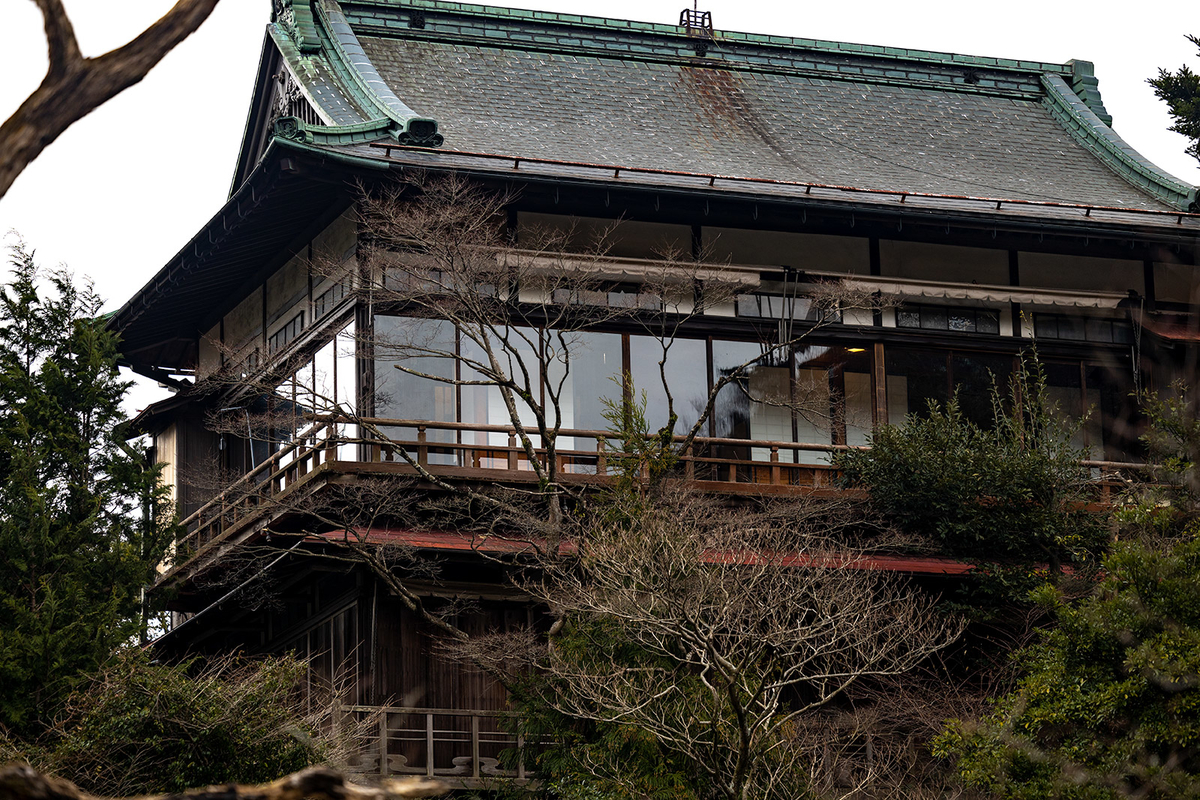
{"points": [[1109, 705], [79, 511], [588, 760], [1181, 91], [138, 727], [1012, 493], [1108, 702]]}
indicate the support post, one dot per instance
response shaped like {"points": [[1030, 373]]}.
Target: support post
{"points": [[429, 745]]}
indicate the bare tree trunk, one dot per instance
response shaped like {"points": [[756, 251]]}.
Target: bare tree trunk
{"points": [[21, 782], [75, 85]]}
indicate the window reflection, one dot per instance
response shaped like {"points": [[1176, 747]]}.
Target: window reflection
{"points": [[582, 374], [686, 370], [822, 393], [756, 405], [834, 398], [424, 346], [484, 404], [917, 377]]}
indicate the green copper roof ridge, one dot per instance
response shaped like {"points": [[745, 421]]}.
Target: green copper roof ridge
{"points": [[822, 45], [294, 62], [342, 44], [297, 130], [297, 17], [1087, 88], [348, 81], [1086, 127], [1034, 93]]}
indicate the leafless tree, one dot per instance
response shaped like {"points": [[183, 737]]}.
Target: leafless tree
{"points": [[436, 249], [721, 633], [74, 85]]}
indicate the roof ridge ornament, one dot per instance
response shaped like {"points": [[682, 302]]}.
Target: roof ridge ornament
{"points": [[697, 22], [296, 17], [698, 26]]}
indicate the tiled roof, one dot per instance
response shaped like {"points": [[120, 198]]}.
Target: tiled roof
{"points": [[636, 95], [745, 124]]}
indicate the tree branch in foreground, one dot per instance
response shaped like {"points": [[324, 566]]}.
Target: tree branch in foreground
{"points": [[75, 85], [22, 782]]}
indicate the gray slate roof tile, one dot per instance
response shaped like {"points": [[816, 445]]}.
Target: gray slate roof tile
{"points": [[739, 123]]}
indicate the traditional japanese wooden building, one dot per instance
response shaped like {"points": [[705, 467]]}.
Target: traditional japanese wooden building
{"points": [[991, 197]]}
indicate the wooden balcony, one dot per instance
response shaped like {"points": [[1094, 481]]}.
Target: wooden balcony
{"points": [[454, 451]]}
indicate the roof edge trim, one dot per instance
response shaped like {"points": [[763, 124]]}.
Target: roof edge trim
{"points": [[1087, 128], [297, 130], [343, 46], [817, 45], [1087, 88], [296, 17]]}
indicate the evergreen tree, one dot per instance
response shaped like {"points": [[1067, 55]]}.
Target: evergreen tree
{"points": [[82, 519], [1181, 91], [1107, 702]]}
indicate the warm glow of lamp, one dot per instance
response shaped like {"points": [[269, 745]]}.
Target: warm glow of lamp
{"points": [[856, 349]]}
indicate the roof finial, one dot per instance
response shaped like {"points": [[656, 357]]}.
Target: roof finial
{"points": [[696, 21]]}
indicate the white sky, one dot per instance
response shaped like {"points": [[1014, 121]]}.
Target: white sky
{"points": [[126, 187]]}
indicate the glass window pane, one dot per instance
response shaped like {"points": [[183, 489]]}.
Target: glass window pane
{"points": [[686, 368], [961, 321], [914, 377], [933, 318], [908, 318], [975, 376], [1045, 326], [1099, 330], [347, 387], [832, 397], [1118, 423], [1064, 391], [424, 346], [755, 406], [987, 321], [581, 377], [1071, 328]]}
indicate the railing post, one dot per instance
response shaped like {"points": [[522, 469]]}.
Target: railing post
{"points": [[733, 473], [601, 461], [474, 746], [422, 447], [512, 451], [520, 757], [383, 744], [774, 465], [429, 745], [689, 463]]}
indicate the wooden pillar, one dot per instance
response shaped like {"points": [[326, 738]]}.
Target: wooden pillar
{"points": [[879, 371]]}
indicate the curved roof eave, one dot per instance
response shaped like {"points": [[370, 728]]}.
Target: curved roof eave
{"points": [[1087, 128], [324, 48]]}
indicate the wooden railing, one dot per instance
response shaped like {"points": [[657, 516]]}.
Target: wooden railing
{"points": [[261, 485], [592, 452], [495, 452], [469, 745]]}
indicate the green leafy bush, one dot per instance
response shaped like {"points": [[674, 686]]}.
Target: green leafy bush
{"points": [[1012, 492], [1109, 702], [139, 727]]}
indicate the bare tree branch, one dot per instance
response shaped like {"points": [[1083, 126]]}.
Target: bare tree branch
{"points": [[74, 86], [21, 782]]}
